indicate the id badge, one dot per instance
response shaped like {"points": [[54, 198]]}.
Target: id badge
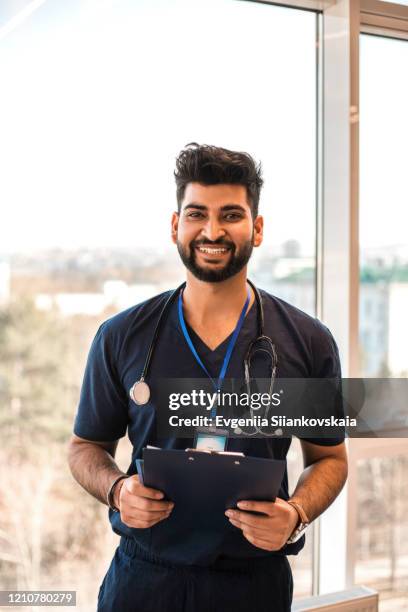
{"points": [[211, 439]]}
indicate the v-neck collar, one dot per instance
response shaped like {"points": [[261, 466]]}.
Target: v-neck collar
{"points": [[203, 348]]}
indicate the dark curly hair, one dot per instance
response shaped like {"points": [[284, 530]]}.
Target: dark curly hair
{"points": [[210, 165]]}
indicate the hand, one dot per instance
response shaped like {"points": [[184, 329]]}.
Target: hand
{"points": [[140, 506], [269, 531]]}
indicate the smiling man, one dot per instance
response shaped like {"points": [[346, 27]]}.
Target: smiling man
{"points": [[160, 566]]}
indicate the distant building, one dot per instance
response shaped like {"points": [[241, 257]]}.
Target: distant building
{"points": [[383, 311], [121, 295], [118, 294], [289, 278], [69, 304], [299, 293], [286, 266], [291, 248], [383, 308], [374, 328], [270, 269]]}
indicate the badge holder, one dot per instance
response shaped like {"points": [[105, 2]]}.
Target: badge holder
{"points": [[211, 439]]}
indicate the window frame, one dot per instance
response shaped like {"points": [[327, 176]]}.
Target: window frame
{"points": [[384, 19], [341, 22]]}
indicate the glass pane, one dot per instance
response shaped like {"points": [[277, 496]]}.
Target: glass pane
{"points": [[383, 210], [93, 129], [89, 134], [382, 530]]}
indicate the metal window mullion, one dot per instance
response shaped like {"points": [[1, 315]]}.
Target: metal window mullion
{"points": [[339, 291], [319, 243], [319, 165]]}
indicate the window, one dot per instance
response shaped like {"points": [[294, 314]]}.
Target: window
{"points": [[377, 466]]}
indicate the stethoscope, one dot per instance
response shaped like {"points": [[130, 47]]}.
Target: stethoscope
{"points": [[140, 391]]}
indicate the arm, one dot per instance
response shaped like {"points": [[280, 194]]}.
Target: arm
{"points": [[318, 486], [93, 467], [322, 479]]}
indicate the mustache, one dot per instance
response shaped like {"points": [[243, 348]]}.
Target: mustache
{"points": [[221, 242]]}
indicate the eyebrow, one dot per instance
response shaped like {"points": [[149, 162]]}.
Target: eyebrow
{"points": [[226, 207]]}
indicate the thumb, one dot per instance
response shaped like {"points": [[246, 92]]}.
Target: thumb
{"points": [[132, 484]]}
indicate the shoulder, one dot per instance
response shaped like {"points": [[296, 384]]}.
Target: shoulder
{"points": [[296, 320], [300, 334], [139, 315]]}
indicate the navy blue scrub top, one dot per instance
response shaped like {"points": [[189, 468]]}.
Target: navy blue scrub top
{"points": [[305, 348]]}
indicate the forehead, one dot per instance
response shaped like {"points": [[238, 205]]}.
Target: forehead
{"points": [[215, 195]]}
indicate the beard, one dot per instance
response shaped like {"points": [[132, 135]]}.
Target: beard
{"points": [[235, 263]]}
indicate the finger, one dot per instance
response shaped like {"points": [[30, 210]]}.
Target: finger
{"points": [[144, 514], [143, 518], [259, 543], [138, 524], [143, 503], [257, 506], [134, 487], [252, 531], [245, 518]]}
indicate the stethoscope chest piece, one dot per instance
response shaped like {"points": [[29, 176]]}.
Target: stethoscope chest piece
{"points": [[140, 392]]}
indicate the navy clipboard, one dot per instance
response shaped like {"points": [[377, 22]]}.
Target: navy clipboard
{"points": [[203, 485]]}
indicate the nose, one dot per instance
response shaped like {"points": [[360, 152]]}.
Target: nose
{"points": [[212, 230]]}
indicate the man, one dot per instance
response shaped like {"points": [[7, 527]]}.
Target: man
{"points": [[215, 229]]}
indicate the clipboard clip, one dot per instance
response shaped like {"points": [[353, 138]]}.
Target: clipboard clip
{"points": [[214, 452]]}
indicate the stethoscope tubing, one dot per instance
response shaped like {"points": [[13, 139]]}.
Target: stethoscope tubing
{"points": [[153, 342], [261, 337], [166, 309]]}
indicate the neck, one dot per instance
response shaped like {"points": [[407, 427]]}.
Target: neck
{"points": [[205, 302]]}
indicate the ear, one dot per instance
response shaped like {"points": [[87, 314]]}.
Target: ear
{"points": [[258, 230], [174, 226]]}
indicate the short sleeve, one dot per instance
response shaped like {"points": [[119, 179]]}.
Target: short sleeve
{"points": [[102, 411], [326, 364]]}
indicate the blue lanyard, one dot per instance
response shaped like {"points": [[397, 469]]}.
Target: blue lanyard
{"points": [[230, 347]]}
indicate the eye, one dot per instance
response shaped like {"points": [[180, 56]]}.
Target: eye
{"points": [[233, 216], [195, 214]]}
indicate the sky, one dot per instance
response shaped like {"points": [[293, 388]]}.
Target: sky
{"points": [[99, 96]]}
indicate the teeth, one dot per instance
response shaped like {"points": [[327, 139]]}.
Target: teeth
{"points": [[212, 251]]}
